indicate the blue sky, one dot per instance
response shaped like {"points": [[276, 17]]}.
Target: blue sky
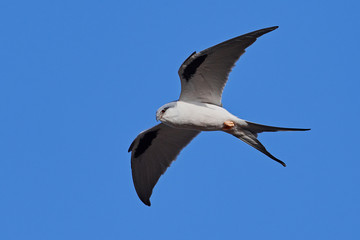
{"points": [[80, 79]]}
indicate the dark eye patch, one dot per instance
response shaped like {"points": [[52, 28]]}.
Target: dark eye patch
{"points": [[164, 110]]}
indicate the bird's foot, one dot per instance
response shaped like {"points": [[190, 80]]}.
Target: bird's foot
{"points": [[228, 125]]}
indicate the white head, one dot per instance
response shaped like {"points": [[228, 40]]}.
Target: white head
{"points": [[165, 112]]}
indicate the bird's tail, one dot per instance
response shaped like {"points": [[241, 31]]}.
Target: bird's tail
{"points": [[258, 128], [248, 133]]}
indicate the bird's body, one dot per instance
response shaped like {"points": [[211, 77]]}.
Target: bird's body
{"points": [[197, 116], [203, 77]]}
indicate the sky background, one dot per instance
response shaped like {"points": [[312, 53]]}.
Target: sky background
{"points": [[80, 79]]}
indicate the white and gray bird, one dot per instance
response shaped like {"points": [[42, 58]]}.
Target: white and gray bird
{"points": [[203, 76]]}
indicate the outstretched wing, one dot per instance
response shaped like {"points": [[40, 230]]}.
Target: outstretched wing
{"points": [[204, 75], [153, 151]]}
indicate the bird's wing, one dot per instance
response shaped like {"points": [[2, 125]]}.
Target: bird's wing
{"points": [[204, 75], [153, 151]]}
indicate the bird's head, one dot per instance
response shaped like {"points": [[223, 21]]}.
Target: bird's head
{"points": [[165, 111]]}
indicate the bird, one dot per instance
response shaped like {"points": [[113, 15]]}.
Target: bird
{"points": [[203, 76]]}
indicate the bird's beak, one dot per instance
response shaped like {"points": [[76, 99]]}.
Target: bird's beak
{"points": [[159, 117]]}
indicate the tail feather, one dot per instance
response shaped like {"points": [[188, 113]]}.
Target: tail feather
{"points": [[258, 128], [250, 138], [248, 134]]}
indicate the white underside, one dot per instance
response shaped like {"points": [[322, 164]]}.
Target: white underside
{"points": [[198, 116]]}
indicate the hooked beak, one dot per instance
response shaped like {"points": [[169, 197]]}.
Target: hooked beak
{"points": [[159, 116]]}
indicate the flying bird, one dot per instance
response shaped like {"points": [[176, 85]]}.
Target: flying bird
{"points": [[203, 77]]}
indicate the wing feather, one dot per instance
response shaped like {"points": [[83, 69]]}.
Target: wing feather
{"points": [[153, 151], [203, 75]]}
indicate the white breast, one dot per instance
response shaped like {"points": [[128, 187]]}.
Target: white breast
{"points": [[198, 116]]}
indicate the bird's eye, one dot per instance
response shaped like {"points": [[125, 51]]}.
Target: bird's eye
{"points": [[164, 110]]}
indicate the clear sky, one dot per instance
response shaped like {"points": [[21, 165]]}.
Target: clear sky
{"points": [[80, 79]]}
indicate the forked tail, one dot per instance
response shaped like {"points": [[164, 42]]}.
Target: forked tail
{"points": [[248, 134], [258, 128]]}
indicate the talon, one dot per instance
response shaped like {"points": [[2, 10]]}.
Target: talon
{"points": [[228, 125]]}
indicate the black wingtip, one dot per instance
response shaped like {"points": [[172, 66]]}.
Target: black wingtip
{"points": [[146, 202], [259, 33], [269, 29], [144, 197]]}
